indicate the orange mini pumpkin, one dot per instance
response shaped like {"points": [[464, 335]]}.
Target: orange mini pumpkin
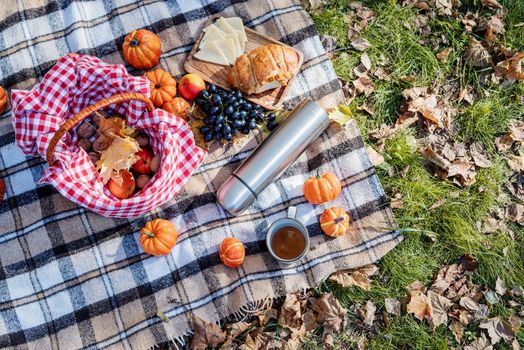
{"points": [[178, 106], [334, 221], [163, 86], [3, 100], [322, 188], [232, 252], [141, 49], [157, 237]]}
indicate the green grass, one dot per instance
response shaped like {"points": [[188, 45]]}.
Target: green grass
{"points": [[436, 237]]}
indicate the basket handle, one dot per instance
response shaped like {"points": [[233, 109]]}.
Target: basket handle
{"points": [[84, 113]]}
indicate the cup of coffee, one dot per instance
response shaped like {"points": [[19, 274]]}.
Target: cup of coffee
{"points": [[287, 238]]}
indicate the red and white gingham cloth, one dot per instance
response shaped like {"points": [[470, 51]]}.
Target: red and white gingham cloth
{"points": [[75, 82]]}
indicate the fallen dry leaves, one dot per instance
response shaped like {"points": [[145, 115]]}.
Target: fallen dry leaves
{"points": [[207, 334], [359, 277]]}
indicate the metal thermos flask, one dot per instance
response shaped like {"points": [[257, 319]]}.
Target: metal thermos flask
{"points": [[272, 157]]}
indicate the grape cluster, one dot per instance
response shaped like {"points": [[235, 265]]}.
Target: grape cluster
{"points": [[228, 113]]}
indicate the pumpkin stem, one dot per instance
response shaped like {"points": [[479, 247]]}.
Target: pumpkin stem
{"points": [[318, 173], [134, 43], [158, 86], [149, 234], [338, 220]]}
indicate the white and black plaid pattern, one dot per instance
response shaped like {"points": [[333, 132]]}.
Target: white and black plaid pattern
{"points": [[72, 279]]}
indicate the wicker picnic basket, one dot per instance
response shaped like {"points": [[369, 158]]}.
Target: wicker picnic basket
{"points": [[45, 120]]}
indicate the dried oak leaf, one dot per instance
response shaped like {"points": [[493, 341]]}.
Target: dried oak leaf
{"points": [[418, 305], [364, 85], [438, 309], [331, 314], [120, 155], [493, 4], [392, 306], [375, 157], [265, 315], [360, 44], [291, 311], [498, 329], [458, 330], [516, 163], [365, 61], [480, 155], [206, 334], [429, 106], [511, 68], [367, 313], [234, 330], [397, 201], [443, 54], [477, 55], [493, 25], [481, 343], [500, 286], [515, 213], [358, 277]]}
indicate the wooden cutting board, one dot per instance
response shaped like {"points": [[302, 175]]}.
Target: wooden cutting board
{"points": [[217, 74]]}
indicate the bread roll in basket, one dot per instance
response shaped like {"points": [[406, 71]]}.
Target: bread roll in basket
{"points": [[264, 68]]}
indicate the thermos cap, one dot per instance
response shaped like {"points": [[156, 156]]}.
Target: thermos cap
{"points": [[235, 196]]}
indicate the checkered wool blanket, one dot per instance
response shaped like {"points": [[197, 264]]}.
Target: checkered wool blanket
{"points": [[72, 279]]}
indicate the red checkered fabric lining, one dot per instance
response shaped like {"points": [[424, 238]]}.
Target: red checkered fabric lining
{"points": [[75, 82]]}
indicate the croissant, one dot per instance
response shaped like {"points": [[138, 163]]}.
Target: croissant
{"points": [[264, 68]]}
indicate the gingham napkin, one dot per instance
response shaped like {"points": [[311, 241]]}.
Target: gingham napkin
{"points": [[71, 279], [74, 83]]}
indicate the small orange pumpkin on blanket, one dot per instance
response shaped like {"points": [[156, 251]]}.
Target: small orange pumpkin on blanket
{"points": [[322, 188], [232, 252], [334, 221], [142, 49], [158, 237]]}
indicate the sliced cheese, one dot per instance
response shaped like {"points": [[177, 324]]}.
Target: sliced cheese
{"points": [[238, 47], [212, 33], [227, 46], [212, 53], [237, 24], [224, 25]]}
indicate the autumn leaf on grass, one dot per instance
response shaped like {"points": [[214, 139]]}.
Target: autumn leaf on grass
{"points": [[392, 306], [418, 305], [359, 277], [120, 155], [331, 314], [481, 343], [511, 68], [367, 313], [498, 329], [207, 334], [476, 55], [291, 311], [516, 163], [438, 309]]}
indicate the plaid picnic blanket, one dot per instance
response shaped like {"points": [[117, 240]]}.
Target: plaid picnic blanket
{"points": [[72, 279]]}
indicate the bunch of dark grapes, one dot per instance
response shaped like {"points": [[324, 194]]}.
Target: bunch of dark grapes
{"points": [[228, 113]]}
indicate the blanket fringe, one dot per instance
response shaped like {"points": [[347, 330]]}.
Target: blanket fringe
{"points": [[252, 308]]}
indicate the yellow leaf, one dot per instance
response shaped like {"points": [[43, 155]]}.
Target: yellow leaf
{"points": [[341, 115], [120, 155]]}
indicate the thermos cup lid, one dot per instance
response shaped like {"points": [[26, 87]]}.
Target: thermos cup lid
{"points": [[235, 196]]}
